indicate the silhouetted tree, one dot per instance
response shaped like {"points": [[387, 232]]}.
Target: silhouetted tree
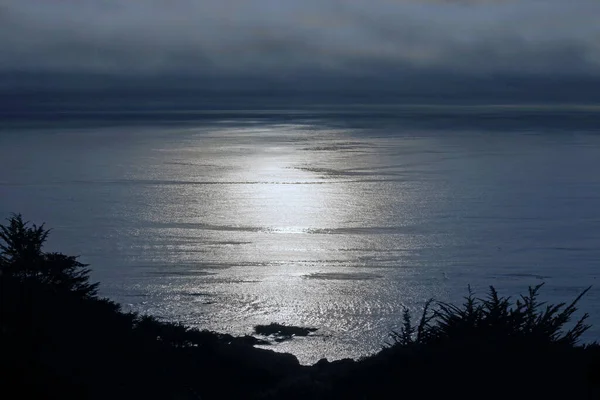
{"points": [[22, 257]]}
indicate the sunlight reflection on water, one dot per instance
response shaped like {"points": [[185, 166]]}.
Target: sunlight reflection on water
{"points": [[228, 227]]}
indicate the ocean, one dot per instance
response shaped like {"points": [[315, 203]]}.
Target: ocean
{"points": [[330, 216]]}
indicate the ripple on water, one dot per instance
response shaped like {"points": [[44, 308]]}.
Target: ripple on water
{"points": [[343, 276]]}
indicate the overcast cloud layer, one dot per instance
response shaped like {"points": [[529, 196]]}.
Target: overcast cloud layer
{"points": [[351, 38]]}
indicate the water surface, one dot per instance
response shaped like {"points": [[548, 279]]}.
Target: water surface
{"points": [[333, 218]]}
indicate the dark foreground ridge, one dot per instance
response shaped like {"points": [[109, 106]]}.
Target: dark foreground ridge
{"points": [[59, 340]]}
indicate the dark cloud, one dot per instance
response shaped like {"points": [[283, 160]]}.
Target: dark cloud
{"points": [[383, 40]]}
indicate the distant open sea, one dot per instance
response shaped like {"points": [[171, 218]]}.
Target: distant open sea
{"points": [[334, 217]]}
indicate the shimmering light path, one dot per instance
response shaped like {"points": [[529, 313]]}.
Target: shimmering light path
{"points": [[231, 224]]}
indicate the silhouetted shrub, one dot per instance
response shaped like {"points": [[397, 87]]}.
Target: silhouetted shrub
{"points": [[495, 319]]}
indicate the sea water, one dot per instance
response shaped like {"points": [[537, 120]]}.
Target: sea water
{"points": [[335, 218]]}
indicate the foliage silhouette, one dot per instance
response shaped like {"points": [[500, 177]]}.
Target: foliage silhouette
{"points": [[21, 257], [496, 319]]}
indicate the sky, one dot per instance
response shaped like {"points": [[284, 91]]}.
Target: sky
{"points": [[397, 45]]}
